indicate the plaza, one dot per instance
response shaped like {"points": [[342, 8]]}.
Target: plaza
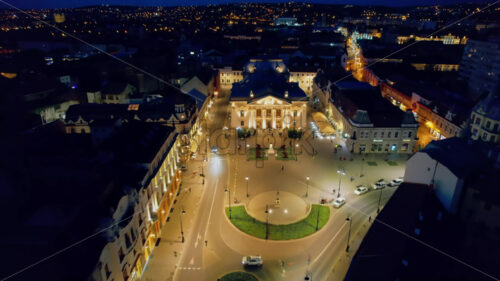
{"points": [[214, 246]]}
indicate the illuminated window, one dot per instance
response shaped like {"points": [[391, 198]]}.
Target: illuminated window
{"points": [[133, 107]]}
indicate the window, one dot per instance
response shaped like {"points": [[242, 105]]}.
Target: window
{"points": [[242, 113], [404, 147], [121, 255], [478, 120], [278, 112], [127, 241], [382, 134], [389, 135], [107, 271], [132, 234], [495, 127], [394, 147], [488, 124], [259, 113], [409, 134], [396, 134], [242, 123], [268, 112]]}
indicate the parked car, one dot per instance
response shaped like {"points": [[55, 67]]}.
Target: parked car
{"points": [[339, 202], [361, 190], [379, 184], [214, 149], [252, 261], [396, 182]]}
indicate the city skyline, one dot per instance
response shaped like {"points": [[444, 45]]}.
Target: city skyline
{"points": [[34, 4]]}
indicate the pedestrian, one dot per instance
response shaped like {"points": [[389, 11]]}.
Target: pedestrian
{"points": [[282, 168], [370, 219], [206, 243], [352, 178]]}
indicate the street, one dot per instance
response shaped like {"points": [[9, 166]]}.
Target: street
{"points": [[214, 247]]}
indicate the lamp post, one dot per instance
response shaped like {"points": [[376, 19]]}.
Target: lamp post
{"points": [[379, 198], [317, 219], [362, 162], [267, 221], [307, 190], [348, 234], [182, 231], [229, 199], [246, 179], [341, 173]]}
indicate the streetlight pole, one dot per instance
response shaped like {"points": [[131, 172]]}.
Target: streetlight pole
{"points": [[379, 198], [307, 190], [182, 231], [229, 199], [267, 221], [341, 173], [362, 162], [348, 234], [246, 179], [317, 219]]}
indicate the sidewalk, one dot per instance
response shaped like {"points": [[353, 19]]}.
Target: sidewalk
{"points": [[165, 257]]}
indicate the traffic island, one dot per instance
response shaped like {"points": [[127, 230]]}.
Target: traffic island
{"points": [[238, 276], [315, 220]]}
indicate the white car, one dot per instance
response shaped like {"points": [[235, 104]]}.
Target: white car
{"points": [[252, 261], [379, 185], [396, 182], [339, 202], [361, 190]]}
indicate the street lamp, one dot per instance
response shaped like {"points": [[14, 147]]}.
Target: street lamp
{"points": [[246, 179], [307, 190], [379, 198], [182, 231], [348, 234], [341, 173], [267, 221], [229, 199], [317, 219]]}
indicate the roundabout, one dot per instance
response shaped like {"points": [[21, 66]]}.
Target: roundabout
{"points": [[288, 216], [283, 207]]}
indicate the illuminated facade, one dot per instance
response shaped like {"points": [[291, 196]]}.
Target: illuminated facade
{"points": [[368, 122], [485, 119], [266, 99], [305, 79], [140, 215]]}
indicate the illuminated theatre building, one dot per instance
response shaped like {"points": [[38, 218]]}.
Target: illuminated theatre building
{"points": [[266, 99]]}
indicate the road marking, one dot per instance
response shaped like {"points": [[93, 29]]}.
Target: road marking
{"points": [[328, 245], [211, 208], [197, 239]]}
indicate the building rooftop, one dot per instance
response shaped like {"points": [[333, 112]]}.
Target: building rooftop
{"points": [[263, 77], [363, 104]]}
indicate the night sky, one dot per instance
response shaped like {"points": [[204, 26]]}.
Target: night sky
{"points": [[79, 3]]}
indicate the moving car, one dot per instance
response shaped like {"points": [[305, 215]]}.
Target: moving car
{"points": [[396, 182], [252, 261], [339, 202], [361, 190], [379, 184]]}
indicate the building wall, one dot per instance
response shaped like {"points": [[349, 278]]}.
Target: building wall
{"points": [[268, 113], [422, 169], [484, 128], [363, 138], [228, 76], [480, 66], [120, 260]]}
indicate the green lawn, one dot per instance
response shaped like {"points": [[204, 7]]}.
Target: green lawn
{"points": [[280, 156], [243, 221], [252, 154], [239, 276], [371, 163], [392, 163]]}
